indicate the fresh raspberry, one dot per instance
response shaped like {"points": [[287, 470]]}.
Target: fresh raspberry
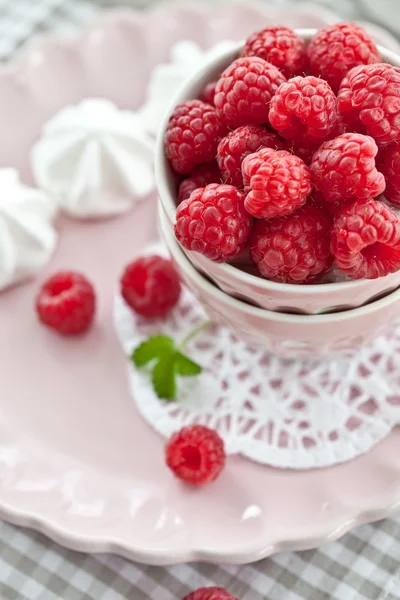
{"points": [[151, 286], [338, 48], [317, 200], [210, 593], [388, 163], [195, 454], [293, 249], [365, 239], [66, 302], [281, 47], [339, 128], [201, 176], [303, 149], [369, 102], [214, 222], [344, 168], [238, 144], [244, 91], [276, 183], [208, 93], [304, 108], [192, 135]]}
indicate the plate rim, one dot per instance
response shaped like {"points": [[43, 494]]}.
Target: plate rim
{"points": [[100, 545]]}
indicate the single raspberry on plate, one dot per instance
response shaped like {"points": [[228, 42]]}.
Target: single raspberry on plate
{"points": [[336, 49], [304, 108], [210, 593], [276, 183], [279, 46], [344, 168], [192, 135], [293, 249], [238, 144], [214, 222], [151, 286], [66, 302], [388, 163], [365, 239], [369, 102], [201, 176], [244, 91], [195, 454], [208, 93]]}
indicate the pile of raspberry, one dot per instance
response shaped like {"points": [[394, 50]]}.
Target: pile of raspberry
{"points": [[287, 157]]}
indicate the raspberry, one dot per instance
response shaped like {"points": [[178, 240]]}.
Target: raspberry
{"points": [[369, 102], [210, 593], [303, 149], [305, 109], [317, 200], [365, 239], [214, 222], [192, 135], [344, 168], [338, 48], [66, 302], [244, 91], [151, 286], [195, 454], [208, 93], [281, 47], [294, 249], [339, 129], [276, 183], [238, 144], [388, 163], [201, 176]]}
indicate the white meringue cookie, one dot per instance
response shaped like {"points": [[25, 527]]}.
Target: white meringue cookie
{"points": [[95, 159], [27, 237], [186, 58]]}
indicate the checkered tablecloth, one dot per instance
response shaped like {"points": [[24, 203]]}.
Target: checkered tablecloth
{"points": [[362, 565]]}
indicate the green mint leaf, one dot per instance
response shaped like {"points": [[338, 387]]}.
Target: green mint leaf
{"points": [[163, 377], [168, 363], [185, 366], [152, 348]]}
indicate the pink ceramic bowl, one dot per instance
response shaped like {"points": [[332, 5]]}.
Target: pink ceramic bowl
{"points": [[309, 299], [286, 335]]}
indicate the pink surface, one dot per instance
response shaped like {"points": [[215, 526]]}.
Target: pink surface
{"points": [[76, 461]]}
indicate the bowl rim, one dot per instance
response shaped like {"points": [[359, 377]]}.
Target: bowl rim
{"points": [[299, 319], [167, 199]]}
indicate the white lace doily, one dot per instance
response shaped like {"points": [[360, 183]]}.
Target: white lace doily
{"points": [[290, 414]]}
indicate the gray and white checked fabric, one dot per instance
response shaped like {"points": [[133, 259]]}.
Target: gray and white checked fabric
{"points": [[364, 565]]}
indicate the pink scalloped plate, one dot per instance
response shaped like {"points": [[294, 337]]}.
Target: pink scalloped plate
{"points": [[76, 460]]}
